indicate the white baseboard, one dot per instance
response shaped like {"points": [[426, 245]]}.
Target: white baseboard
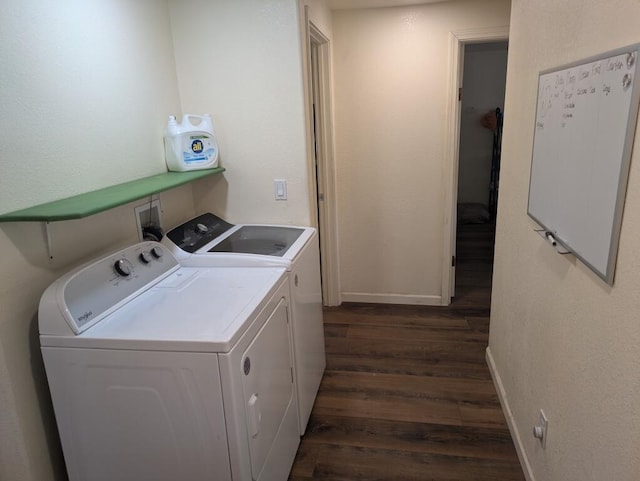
{"points": [[515, 434], [391, 298]]}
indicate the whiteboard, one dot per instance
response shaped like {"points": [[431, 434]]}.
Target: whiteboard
{"points": [[583, 135]]}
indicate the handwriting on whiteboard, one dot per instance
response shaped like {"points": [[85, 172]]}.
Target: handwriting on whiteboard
{"points": [[564, 93]]}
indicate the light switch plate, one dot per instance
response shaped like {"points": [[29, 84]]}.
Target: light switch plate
{"points": [[280, 186]]}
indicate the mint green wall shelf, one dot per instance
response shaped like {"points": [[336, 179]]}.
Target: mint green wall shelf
{"points": [[84, 205]]}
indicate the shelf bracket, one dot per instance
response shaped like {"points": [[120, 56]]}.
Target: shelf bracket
{"points": [[47, 235]]}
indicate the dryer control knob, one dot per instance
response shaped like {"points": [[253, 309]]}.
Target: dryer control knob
{"points": [[201, 229], [157, 252], [145, 257], [122, 267]]}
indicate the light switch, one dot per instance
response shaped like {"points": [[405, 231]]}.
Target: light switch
{"points": [[281, 189]]}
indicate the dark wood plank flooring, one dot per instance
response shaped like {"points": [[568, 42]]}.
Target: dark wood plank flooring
{"points": [[407, 394]]}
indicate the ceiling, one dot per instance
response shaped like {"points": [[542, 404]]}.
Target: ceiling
{"points": [[350, 4]]}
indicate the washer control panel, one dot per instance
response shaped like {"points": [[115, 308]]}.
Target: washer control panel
{"points": [[198, 232], [93, 291]]}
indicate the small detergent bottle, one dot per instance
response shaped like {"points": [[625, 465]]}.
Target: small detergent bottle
{"points": [[190, 145]]}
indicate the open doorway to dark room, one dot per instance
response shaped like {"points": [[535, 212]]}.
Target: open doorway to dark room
{"points": [[483, 89]]}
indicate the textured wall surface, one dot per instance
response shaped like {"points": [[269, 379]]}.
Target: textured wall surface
{"points": [[390, 72], [85, 89], [241, 62], [561, 339]]}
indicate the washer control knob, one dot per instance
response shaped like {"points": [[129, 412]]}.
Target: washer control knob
{"points": [[201, 229], [145, 257], [122, 267], [157, 252]]}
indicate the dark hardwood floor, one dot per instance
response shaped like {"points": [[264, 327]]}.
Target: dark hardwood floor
{"points": [[407, 394]]}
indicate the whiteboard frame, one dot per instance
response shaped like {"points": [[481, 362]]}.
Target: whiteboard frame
{"points": [[625, 161]]}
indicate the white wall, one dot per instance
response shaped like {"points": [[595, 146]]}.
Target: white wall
{"points": [[390, 73], [561, 339], [85, 88], [96, 81], [240, 61], [485, 68], [320, 15]]}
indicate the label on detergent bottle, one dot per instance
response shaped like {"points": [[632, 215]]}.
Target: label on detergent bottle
{"points": [[200, 149]]}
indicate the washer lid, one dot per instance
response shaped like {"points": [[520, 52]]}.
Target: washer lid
{"points": [[298, 238], [193, 309], [208, 241], [259, 239]]}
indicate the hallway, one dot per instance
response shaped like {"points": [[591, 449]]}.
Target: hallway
{"points": [[407, 394]]}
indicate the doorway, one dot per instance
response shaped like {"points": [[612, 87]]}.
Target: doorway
{"points": [[481, 118], [321, 162], [458, 41]]}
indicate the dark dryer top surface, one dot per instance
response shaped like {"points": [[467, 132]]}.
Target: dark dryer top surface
{"points": [[259, 239]]}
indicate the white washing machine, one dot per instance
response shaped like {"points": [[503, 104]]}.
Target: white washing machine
{"points": [[209, 241], [161, 372]]}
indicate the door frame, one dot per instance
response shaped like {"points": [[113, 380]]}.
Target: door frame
{"points": [[457, 41], [323, 213]]}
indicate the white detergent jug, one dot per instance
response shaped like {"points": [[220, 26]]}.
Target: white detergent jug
{"points": [[190, 145]]}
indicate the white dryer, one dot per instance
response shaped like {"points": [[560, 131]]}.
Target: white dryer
{"points": [[209, 241], [161, 372]]}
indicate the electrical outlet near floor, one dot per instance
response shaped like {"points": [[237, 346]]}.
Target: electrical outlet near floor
{"points": [[149, 220]]}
